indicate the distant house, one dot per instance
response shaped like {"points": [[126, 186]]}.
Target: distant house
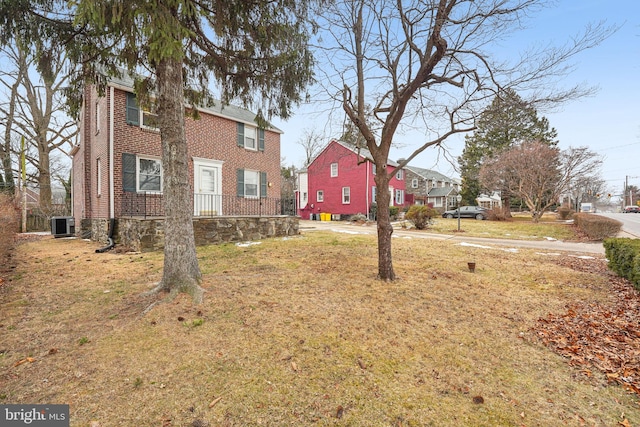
{"points": [[490, 201], [340, 181], [234, 165], [428, 187]]}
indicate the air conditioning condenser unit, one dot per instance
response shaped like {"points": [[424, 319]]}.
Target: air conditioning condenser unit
{"points": [[63, 226]]}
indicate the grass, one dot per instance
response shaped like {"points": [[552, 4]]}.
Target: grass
{"points": [[519, 228], [299, 332]]}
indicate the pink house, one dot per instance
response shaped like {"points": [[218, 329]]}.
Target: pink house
{"points": [[340, 181]]}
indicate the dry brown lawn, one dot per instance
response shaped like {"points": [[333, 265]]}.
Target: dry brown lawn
{"points": [[298, 332]]}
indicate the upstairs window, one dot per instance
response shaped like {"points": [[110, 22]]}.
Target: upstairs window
{"points": [[250, 137], [320, 196], [400, 175], [137, 116], [414, 183], [334, 170]]}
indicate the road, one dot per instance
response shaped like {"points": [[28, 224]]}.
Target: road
{"points": [[630, 222], [459, 239]]}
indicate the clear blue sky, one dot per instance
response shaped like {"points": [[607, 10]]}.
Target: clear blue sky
{"points": [[608, 122]]}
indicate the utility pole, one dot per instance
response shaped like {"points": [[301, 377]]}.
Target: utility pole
{"points": [[626, 188]]}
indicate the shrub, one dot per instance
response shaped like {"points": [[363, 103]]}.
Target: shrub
{"points": [[498, 214], [565, 212], [358, 217], [10, 220], [624, 258], [421, 215], [596, 227], [393, 211]]}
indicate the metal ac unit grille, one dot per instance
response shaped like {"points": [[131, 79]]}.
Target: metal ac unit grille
{"points": [[63, 226]]}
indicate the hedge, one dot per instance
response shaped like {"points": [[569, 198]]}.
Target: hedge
{"points": [[624, 258], [596, 227]]}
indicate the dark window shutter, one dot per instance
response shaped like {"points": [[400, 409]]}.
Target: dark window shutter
{"points": [[240, 135], [133, 112], [240, 185], [128, 172], [263, 184], [261, 139]]}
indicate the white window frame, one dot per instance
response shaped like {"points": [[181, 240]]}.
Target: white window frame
{"points": [[414, 183], [334, 170], [399, 175], [374, 194], [399, 197], [320, 196], [97, 117], [253, 174], [99, 176], [251, 134], [346, 195], [139, 158]]}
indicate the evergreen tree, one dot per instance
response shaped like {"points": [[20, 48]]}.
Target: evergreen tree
{"points": [[509, 120]]}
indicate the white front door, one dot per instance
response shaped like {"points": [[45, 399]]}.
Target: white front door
{"points": [[207, 198]]}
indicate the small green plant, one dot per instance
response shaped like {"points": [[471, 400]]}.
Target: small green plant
{"points": [[393, 211], [83, 341], [420, 216], [194, 323], [137, 383]]}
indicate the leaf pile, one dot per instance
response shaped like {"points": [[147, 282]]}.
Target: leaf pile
{"points": [[602, 335]]}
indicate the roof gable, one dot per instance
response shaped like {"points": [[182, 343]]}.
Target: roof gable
{"points": [[363, 153], [429, 174]]}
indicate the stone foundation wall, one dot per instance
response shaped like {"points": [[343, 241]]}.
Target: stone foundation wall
{"points": [[146, 235], [95, 229]]}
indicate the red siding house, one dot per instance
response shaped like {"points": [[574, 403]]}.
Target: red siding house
{"points": [[117, 172], [341, 182]]}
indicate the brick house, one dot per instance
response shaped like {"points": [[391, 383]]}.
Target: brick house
{"points": [[340, 181], [428, 187], [234, 166]]}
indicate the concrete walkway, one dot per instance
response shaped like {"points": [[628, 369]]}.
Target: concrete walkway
{"points": [[591, 248]]}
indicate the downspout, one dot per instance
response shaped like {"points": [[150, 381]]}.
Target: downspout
{"points": [[366, 191]]}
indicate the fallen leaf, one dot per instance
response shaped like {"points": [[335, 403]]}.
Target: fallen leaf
{"points": [[625, 423], [478, 399], [339, 411], [294, 366], [25, 360], [215, 401]]}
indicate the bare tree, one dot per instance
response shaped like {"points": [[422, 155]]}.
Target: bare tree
{"points": [[37, 108], [312, 142], [428, 64], [538, 173]]}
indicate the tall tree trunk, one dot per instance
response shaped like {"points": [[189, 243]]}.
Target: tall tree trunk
{"points": [[44, 178], [5, 150], [181, 271], [383, 197]]}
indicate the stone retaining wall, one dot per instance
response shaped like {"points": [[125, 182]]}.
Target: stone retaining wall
{"points": [[146, 235]]}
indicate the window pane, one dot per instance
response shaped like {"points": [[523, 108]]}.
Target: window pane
{"points": [[149, 176], [250, 137], [149, 120], [251, 181]]}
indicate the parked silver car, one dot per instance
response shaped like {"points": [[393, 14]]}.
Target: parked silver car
{"points": [[476, 212]]}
